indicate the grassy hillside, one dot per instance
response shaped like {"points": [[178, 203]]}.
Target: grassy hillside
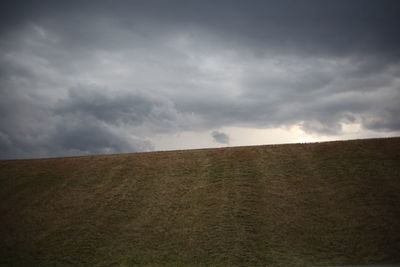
{"points": [[335, 203]]}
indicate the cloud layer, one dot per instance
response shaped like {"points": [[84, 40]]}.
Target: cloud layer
{"points": [[84, 77]]}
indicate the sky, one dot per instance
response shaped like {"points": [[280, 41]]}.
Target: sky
{"points": [[96, 77]]}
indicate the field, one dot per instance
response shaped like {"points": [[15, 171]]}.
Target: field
{"points": [[334, 203]]}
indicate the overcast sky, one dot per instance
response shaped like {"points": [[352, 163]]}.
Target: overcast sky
{"points": [[90, 77]]}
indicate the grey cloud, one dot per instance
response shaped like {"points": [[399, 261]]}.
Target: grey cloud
{"points": [[77, 136], [312, 26], [71, 126], [122, 71], [320, 95], [133, 109], [120, 108], [220, 137], [384, 117]]}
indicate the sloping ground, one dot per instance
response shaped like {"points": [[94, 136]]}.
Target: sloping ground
{"points": [[335, 203]]}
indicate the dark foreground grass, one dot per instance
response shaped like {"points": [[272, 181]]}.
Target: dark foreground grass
{"points": [[335, 203]]}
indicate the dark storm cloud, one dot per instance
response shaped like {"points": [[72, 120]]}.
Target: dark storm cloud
{"points": [[81, 77], [220, 137], [114, 108], [86, 121], [313, 26], [77, 135]]}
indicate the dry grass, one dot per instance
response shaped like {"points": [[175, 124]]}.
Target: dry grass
{"points": [[335, 203]]}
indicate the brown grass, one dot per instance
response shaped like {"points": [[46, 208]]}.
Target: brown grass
{"points": [[334, 203]]}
